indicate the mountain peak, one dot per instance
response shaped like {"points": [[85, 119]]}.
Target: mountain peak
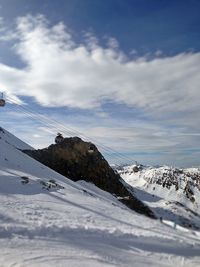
{"points": [[80, 160]]}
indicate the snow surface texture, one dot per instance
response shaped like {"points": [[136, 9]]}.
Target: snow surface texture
{"points": [[173, 194], [47, 220]]}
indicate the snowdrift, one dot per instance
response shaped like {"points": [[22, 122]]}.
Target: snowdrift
{"points": [[48, 220]]}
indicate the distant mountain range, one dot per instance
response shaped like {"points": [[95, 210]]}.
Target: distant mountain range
{"points": [[48, 220], [172, 193]]}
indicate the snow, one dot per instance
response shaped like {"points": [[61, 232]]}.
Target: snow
{"points": [[77, 224], [169, 203], [13, 140]]}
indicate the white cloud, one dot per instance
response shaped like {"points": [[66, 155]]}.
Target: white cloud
{"points": [[113, 43], [158, 53], [62, 73], [5, 33]]}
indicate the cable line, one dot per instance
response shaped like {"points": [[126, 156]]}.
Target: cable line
{"points": [[51, 123], [46, 121]]}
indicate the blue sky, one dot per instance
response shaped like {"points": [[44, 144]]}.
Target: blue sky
{"points": [[125, 73]]}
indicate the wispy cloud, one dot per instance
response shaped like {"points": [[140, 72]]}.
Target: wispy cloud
{"points": [[5, 33], [60, 72]]}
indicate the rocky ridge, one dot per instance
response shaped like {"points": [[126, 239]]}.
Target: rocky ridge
{"points": [[79, 160], [172, 193]]}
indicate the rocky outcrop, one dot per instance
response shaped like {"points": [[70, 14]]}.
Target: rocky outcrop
{"points": [[176, 178], [79, 160], [172, 193], [185, 180]]}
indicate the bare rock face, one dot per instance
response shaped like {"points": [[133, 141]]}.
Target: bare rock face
{"points": [[183, 179], [79, 160]]}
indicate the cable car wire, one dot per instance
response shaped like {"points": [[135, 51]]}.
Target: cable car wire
{"points": [[51, 123]]}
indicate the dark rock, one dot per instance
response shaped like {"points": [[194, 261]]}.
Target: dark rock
{"points": [[2, 130], [79, 160]]}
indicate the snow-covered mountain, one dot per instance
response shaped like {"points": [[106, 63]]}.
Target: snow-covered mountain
{"points": [[49, 220], [13, 140], [172, 193]]}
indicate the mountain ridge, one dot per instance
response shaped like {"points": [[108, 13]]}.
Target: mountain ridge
{"points": [[177, 191], [52, 221], [80, 160]]}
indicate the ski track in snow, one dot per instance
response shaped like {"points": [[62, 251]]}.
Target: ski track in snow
{"points": [[79, 225]]}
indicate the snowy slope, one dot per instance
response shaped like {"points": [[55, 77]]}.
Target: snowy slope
{"points": [[173, 194], [77, 224], [13, 140]]}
